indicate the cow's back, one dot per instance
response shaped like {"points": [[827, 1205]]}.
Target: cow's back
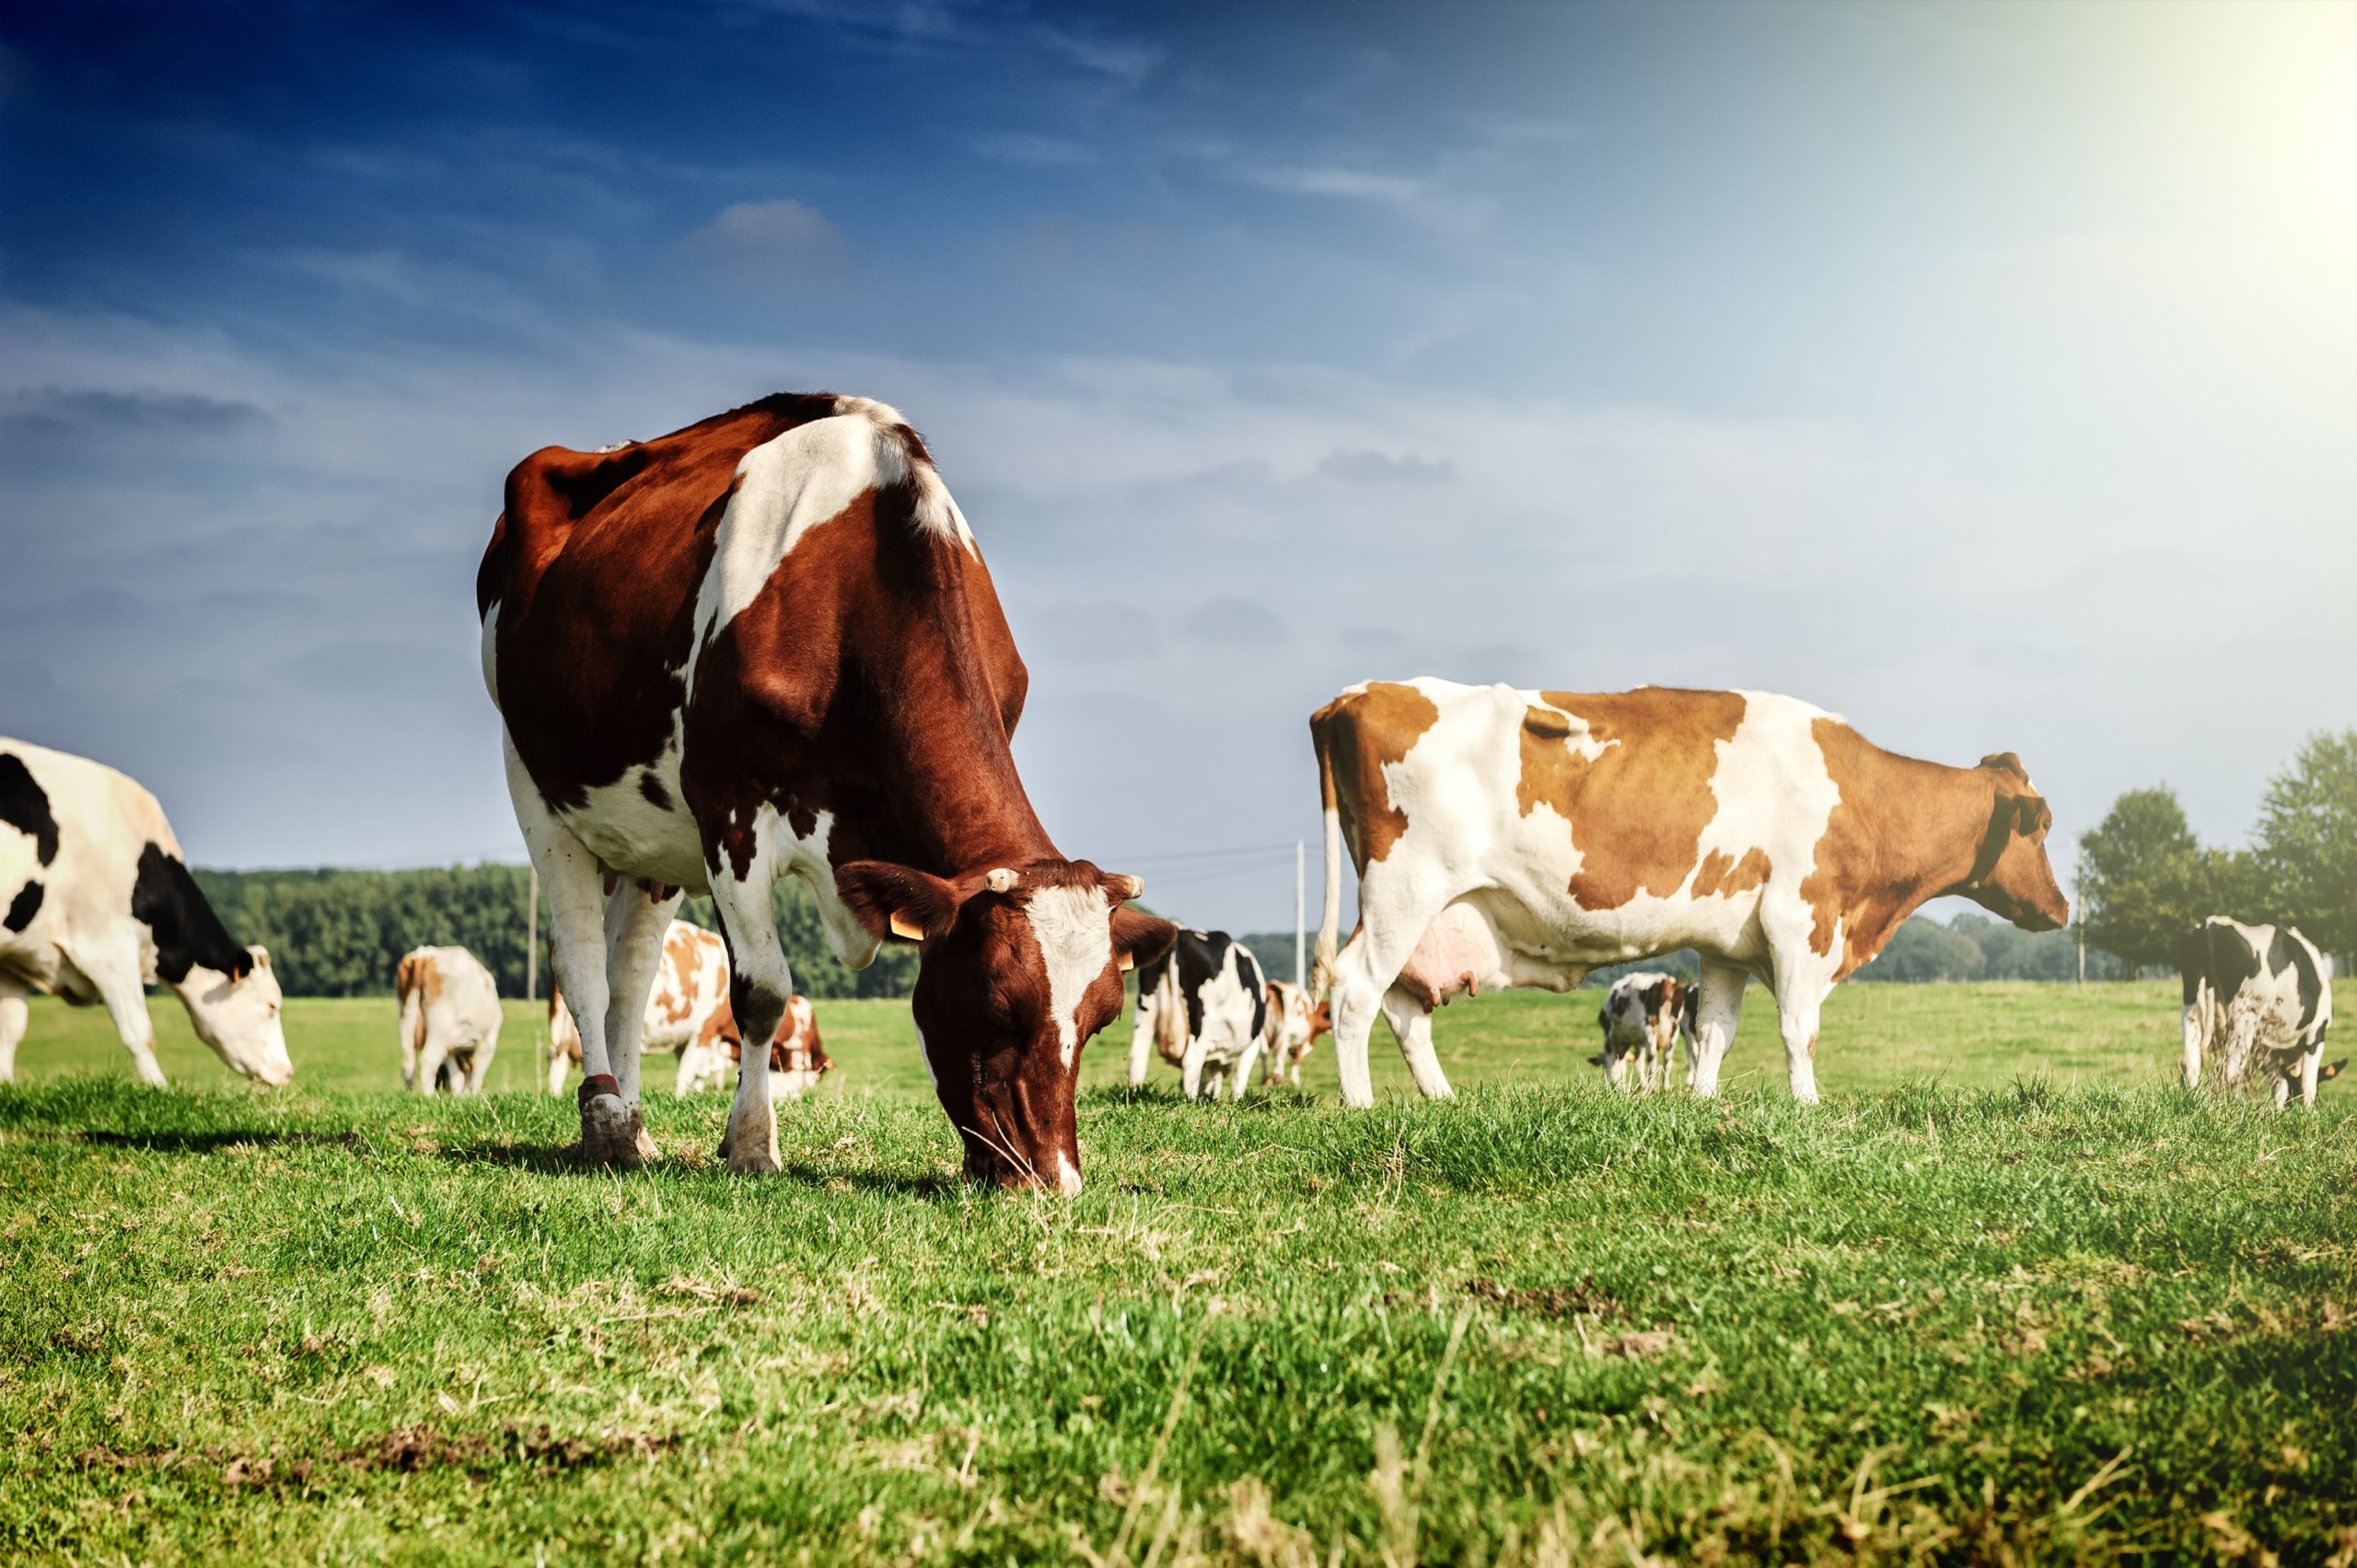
{"points": [[73, 834]]}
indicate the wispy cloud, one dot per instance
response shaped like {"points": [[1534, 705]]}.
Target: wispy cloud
{"points": [[779, 242]]}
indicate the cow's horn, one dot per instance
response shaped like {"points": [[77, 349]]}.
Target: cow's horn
{"points": [[1000, 881]]}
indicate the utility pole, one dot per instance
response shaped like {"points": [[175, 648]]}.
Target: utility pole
{"points": [[2080, 900], [1300, 906], [532, 939]]}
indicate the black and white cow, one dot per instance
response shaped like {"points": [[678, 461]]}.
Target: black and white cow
{"points": [[100, 904], [1643, 1017], [1205, 1007], [2261, 997]]}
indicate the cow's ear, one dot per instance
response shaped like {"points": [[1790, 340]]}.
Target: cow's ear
{"points": [[1141, 938], [897, 901], [2006, 762], [240, 965], [2031, 815], [261, 956], [1597, 1060], [2332, 1070]]}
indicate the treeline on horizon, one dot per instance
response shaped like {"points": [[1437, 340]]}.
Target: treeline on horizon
{"points": [[2148, 879], [338, 932]]}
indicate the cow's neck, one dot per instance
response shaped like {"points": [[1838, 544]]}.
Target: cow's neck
{"points": [[1928, 831], [952, 801]]}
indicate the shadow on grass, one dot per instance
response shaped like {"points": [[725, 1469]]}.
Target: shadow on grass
{"points": [[564, 1159], [196, 1143]]}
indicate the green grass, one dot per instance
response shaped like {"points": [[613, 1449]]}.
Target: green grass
{"points": [[2044, 1306]]}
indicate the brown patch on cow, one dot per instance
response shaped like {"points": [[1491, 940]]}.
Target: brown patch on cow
{"points": [[1726, 878], [1652, 784], [679, 951], [1356, 737]]}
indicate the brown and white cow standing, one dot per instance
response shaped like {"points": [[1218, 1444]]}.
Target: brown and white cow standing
{"points": [[1512, 838], [766, 646], [450, 1021]]}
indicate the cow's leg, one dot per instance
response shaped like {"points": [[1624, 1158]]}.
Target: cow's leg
{"points": [[114, 974], [1796, 1017], [1394, 914], [1411, 1026], [2196, 1025], [431, 1060], [13, 1016], [635, 925], [479, 1069], [1716, 1015], [1142, 1041], [2283, 1090], [1191, 1067], [760, 983], [571, 878], [2311, 1067], [1244, 1067], [558, 1063]]}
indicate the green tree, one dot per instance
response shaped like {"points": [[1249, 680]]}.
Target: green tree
{"points": [[2307, 840], [2148, 877]]}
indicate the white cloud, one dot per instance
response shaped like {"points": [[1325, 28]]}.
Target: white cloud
{"points": [[780, 241]]}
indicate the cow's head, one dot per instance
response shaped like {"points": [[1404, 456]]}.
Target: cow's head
{"points": [[2012, 877], [235, 1013], [1021, 965]]}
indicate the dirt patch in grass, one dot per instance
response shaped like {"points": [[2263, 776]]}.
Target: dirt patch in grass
{"points": [[406, 1449], [1582, 1300]]}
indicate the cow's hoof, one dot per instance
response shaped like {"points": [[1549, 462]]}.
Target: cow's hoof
{"points": [[609, 1130], [748, 1155]]}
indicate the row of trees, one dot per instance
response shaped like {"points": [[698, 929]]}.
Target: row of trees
{"points": [[2149, 879], [339, 933]]}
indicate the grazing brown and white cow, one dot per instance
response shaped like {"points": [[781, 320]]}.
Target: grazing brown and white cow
{"points": [[1511, 838], [2259, 997], [766, 646], [96, 903], [1643, 1017], [449, 1008], [1295, 1021]]}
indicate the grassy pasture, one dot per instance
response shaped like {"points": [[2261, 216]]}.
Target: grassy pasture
{"points": [[2006, 1295]]}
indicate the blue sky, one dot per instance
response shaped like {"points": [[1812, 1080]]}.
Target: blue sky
{"points": [[1988, 373]]}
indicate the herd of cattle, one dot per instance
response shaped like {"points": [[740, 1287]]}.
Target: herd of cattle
{"points": [[767, 645]]}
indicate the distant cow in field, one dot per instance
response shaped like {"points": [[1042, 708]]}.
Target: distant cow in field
{"points": [[1204, 1009], [767, 645], [96, 903], [687, 1012], [1295, 1021], [797, 1058], [2259, 997], [1511, 838], [1644, 1018], [450, 1021]]}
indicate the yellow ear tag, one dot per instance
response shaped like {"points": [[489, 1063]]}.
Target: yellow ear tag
{"points": [[1128, 963], [903, 926]]}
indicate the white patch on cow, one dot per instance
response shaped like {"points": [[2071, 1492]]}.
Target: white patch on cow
{"points": [[1074, 929], [630, 835], [1067, 1176], [490, 651], [796, 481]]}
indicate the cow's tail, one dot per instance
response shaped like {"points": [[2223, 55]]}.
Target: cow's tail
{"points": [[1321, 980]]}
